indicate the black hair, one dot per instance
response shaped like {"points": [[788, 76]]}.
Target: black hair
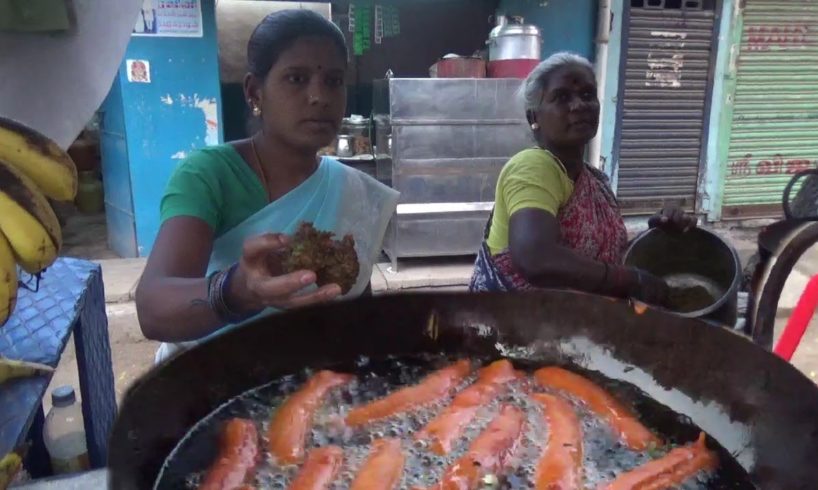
{"points": [[278, 31]]}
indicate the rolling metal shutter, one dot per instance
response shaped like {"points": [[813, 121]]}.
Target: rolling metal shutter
{"points": [[664, 109], [775, 115]]}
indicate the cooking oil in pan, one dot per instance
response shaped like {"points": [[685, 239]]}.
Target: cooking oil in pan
{"points": [[604, 457]]}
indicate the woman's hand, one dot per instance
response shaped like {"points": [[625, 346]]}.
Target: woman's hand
{"points": [[256, 286], [673, 219], [649, 288]]}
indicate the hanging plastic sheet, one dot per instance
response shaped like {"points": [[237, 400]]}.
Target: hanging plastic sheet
{"points": [[55, 82]]}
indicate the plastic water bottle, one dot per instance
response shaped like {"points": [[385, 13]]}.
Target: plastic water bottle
{"points": [[64, 433]]}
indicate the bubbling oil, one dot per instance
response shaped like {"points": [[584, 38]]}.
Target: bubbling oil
{"points": [[604, 457]]}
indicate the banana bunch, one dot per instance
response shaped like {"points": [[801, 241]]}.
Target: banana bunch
{"points": [[33, 169]]}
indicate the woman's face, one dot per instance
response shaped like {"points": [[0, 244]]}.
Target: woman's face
{"points": [[303, 97], [569, 111]]}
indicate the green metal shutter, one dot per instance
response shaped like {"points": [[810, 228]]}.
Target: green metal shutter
{"points": [[775, 116], [663, 114]]}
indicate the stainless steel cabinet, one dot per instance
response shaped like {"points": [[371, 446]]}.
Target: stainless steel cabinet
{"points": [[442, 143]]}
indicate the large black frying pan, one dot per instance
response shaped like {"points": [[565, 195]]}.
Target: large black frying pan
{"points": [[754, 404]]}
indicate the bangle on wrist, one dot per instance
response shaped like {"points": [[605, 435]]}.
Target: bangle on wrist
{"points": [[619, 281], [210, 279], [217, 295], [601, 286]]}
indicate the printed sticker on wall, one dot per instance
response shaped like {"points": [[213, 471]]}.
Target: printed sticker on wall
{"points": [[169, 18], [139, 71]]}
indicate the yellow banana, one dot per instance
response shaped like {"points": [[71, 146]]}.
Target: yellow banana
{"points": [[8, 280], [11, 369], [42, 160], [10, 465], [27, 220]]}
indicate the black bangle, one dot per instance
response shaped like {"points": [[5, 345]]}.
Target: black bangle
{"points": [[218, 287], [601, 286], [639, 278], [210, 279]]}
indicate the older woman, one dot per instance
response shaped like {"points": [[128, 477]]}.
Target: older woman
{"points": [[556, 222]]}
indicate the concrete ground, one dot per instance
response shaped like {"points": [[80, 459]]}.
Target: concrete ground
{"points": [[133, 354]]}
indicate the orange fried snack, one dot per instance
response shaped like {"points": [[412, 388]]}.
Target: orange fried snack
{"points": [[621, 420], [560, 467], [449, 424], [293, 420], [383, 468], [319, 469], [432, 388], [237, 459], [668, 471], [488, 453]]}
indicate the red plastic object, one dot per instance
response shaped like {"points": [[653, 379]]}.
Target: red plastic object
{"points": [[459, 68], [511, 68], [799, 320]]}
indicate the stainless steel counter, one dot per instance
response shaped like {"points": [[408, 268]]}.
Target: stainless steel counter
{"points": [[442, 144]]}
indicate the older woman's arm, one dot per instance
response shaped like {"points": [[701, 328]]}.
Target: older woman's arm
{"points": [[537, 254]]}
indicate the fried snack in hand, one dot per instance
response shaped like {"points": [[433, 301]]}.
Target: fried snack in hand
{"points": [[333, 261]]}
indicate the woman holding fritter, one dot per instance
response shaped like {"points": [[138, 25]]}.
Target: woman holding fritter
{"points": [[228, 210]]}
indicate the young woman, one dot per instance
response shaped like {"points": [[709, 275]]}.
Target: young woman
{"points": [[227, 208], [556, 223]]}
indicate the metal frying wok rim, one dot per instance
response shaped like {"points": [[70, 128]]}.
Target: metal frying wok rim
{"points": [[754, 404]]}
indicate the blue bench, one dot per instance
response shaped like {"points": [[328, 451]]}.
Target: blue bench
{"points": [[70, 299]]}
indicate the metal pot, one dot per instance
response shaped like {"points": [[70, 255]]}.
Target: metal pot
{"points": [[514, 41], [695, 258], [345, 146]]}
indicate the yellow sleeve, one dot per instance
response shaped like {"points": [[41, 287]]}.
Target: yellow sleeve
{"points": [[535, 180]]}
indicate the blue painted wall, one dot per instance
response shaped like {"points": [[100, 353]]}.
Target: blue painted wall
{"points": [[566, 25], [178, 111], [609, 101], [711, 186], [117, 176]]}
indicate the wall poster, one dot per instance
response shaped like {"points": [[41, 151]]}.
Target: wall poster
{"points": [[169, 18], [139, 71]]}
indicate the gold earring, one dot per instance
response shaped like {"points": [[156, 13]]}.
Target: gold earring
{"points": [[256, 109]]}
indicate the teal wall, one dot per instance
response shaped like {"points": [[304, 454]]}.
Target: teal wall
{"points": [[159, 124], [609, 100], [711, 186], [566, 25]]}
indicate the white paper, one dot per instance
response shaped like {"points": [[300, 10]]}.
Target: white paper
{"points": [[169, 18]]}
